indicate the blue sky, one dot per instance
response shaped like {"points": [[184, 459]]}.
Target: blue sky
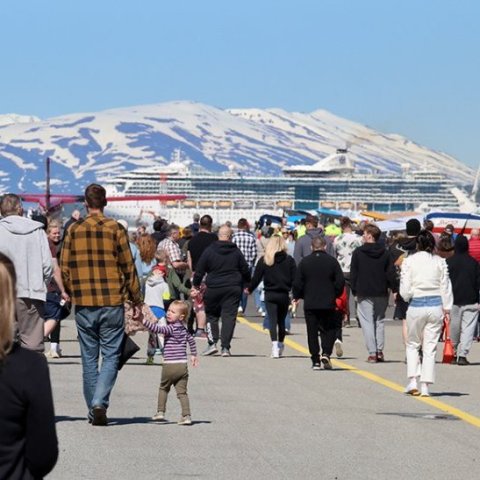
{"points": [[409, 67]]}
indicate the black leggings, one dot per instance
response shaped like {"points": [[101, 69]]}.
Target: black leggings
{"points": [[277, 304]]}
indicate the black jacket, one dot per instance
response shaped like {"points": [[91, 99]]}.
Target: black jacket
{"points": [[277, 277], [464, 274], [28, 441], [372, 271], [224, 265], [319, 281]]}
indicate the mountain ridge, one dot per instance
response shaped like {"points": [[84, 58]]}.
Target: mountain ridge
{"points": [[90, 145]]}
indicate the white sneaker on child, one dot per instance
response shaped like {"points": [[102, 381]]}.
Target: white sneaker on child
{"points": [[185, 420], [159, 417]]}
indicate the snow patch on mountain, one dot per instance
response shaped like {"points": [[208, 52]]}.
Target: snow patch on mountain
{"points": [[85, 147]]}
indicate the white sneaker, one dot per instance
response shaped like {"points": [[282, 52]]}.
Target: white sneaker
{"points": [[281, 347], [240, 310], [338, 348], [159, 417], [53, 354], [275, 350], [412, 387], [424, 390]]}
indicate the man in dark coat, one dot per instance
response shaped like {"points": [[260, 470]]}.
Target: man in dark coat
{"points": [[319, 281], [227, 274]]}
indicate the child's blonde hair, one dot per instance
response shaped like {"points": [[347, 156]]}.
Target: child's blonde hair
{"points": [[183, 306], [161, 256]]}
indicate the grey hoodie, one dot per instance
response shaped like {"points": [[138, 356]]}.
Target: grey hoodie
{"points": [[25, 242], [303, 246]]}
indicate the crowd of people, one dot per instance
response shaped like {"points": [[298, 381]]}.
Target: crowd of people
{"points": [[186, 284]]}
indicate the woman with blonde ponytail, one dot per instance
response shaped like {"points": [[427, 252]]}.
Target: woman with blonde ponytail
{"points": [[27, 421], [277, 270]]}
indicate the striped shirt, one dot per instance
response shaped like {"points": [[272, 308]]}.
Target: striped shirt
{"points": [[97, 264], [176, 338]]}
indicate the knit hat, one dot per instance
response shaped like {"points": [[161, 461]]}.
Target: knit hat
{"points": [[413, 227]]}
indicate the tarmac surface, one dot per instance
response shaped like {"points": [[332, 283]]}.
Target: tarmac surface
{"points": [[261, 418]]}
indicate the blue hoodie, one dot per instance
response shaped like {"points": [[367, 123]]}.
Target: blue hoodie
{"points": [[25, 242]]}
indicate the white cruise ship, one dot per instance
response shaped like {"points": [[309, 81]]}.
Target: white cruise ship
{"points": [[331, 183]]}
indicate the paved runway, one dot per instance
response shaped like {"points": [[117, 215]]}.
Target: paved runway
{"points": [[256, 417]]}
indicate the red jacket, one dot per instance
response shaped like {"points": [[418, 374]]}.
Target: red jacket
{"points": [[474, 248], [341, 302]]}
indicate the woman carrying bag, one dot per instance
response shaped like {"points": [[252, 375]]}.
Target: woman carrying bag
{"points": [[425, 283]]}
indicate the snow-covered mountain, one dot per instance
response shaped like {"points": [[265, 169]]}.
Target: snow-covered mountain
{"points": [[86, 147]]}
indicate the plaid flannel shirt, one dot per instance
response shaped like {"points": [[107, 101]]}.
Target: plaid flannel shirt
{"points": [[97, 264], [247, 244]]}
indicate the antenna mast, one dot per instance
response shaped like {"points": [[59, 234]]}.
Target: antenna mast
{"points": [[47, 186]]}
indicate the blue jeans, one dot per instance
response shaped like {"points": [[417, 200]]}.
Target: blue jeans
{"points": [[100, 330]]}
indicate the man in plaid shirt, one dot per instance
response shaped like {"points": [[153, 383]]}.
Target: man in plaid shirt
{"points": [[247, 244], [99, 274], [171, 247]]}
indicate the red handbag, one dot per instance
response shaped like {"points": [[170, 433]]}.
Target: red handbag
{"points": [[448, 352]]}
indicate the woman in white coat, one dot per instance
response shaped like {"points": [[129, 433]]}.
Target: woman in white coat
{"points": [[425, 283]]}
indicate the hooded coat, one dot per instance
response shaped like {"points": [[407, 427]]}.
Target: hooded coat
{"points": [[277, 277], [224, 264], [464, 274], [372, 271], [25, 242]]}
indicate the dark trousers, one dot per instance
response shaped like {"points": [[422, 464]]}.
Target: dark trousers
{"points": [[338, 325], [221, 302], [276, 304], [322, 321]]}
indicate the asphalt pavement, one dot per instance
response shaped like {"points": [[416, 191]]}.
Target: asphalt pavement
{"points": [[261, 418]]}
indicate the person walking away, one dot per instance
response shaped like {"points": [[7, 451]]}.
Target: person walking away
{"points": [[227, 275], [319, 281], [247, 243], [303, 245], [425, 283], [195, 226], [277, 270], [372, 273], [464, 274], [137, 260], [99, 275], [25, 242], [28, 440], [196, 246], [401, 249], [146, 249], [344, 246], [175, 365]]}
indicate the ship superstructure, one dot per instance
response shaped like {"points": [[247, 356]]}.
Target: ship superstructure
{"points": [[331, 183]]}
